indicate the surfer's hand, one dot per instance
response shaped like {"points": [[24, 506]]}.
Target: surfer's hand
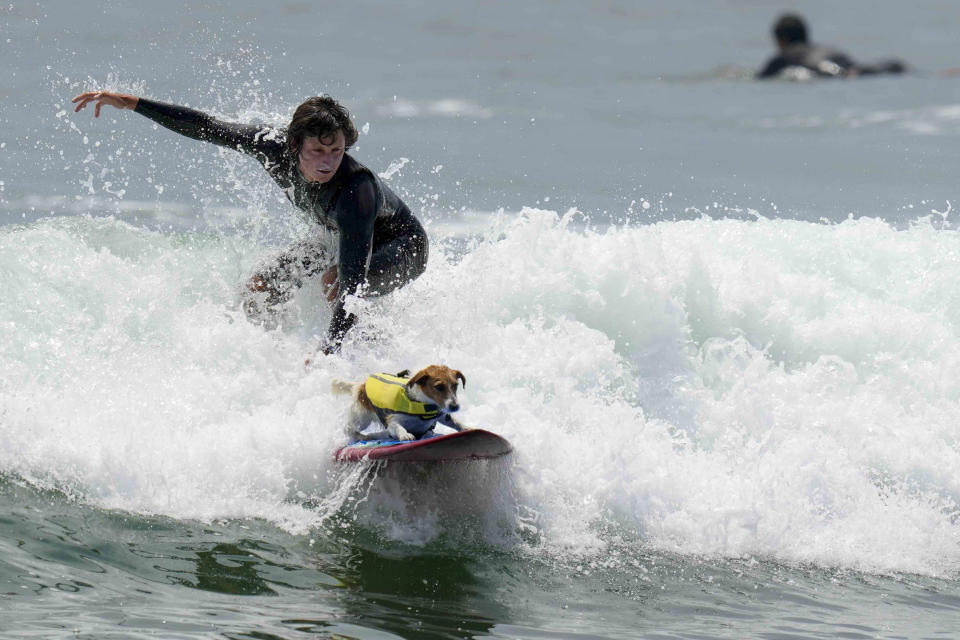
{"points": [[329, 348], [112, 98], [331, 287], [325, 349]]}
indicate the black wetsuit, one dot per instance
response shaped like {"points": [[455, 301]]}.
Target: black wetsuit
{"points": [[371, 235], [823, 62]]}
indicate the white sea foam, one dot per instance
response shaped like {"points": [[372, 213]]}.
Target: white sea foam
{"points": [[448, 108], [928, 120], [765, 388]]}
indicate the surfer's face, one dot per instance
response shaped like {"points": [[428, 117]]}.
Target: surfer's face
{"points": [[320, 158]]}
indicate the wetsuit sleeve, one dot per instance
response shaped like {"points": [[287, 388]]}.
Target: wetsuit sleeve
{"points": [[356, 214], [887, 66], [261, 141]]}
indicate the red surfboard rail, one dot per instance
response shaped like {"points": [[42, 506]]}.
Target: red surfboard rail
{"points": [[473, 444]]}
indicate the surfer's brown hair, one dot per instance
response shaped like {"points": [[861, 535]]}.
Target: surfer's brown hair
{"points": [[321, 117], [790, 28]]}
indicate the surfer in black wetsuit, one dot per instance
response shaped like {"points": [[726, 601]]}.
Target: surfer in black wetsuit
{"points": [[798, 54], [368, 243]]}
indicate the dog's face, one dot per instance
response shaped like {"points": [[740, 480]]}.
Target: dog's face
{"points": [[437, 384]]}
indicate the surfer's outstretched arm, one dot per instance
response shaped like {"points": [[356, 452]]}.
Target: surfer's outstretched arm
{"points": [[259, 140]]}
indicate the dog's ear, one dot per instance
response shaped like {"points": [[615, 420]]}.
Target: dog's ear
{"points": [[461, 376], [421, 377]]}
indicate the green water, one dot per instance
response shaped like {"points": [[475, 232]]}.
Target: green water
{"points": [[72, 570]]}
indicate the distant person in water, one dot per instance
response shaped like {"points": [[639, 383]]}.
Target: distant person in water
{"points": [[799, 58], [367, 241]]}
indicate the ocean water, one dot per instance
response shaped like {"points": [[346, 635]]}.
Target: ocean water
{"points": [[717, 319]]}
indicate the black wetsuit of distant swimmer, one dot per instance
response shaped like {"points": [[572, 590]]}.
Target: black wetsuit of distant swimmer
{"points": [[824, 62], [365, 229], [798, 53]]}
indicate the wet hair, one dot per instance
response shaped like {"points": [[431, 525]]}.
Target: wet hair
{"points": [[322, 117], [790, 28]]}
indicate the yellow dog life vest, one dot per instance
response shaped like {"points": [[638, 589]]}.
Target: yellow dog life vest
{"points": [[389, 395]]}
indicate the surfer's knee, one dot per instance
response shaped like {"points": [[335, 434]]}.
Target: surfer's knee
{"points": [[261, 299], [259, 312]]}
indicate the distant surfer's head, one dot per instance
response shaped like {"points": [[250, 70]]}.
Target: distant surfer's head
{"points": [[319, 134], [320, 117], [790, 29]]}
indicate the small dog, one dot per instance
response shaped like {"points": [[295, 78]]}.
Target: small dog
{"points": [[408, 407]]}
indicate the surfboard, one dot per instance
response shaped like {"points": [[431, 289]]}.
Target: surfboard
{"points": [[473, 444]]}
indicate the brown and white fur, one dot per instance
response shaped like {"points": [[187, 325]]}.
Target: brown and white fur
{"points": [[436, 384]]}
